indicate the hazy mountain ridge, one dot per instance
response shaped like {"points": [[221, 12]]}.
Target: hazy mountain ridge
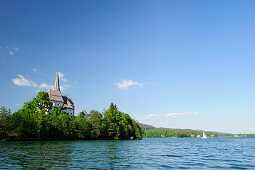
{"points": [[146, 127]]}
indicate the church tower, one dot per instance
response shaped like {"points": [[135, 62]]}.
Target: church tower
{"points": [[56, 86], [60, 100]]}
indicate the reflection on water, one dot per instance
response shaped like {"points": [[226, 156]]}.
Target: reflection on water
{"points": [[146, 154]]}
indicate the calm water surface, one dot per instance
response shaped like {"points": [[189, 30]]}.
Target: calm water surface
{"points": [[152, 153]]}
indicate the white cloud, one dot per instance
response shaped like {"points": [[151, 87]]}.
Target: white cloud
{"points": [[16, 49], [45, 86], [61, 76], [34, 69], [165, 116], [147, 117], [152, 115], [11, 52], [125, 84], [174, 115], [66, 85], [22, 81]]}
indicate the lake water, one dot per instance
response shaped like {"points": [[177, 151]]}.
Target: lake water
{"points": [[150, 153]]}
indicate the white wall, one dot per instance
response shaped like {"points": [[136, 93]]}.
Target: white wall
{"points": [[56, 104], [68, 111]]}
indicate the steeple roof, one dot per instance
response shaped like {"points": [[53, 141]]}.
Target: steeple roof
{"points": [[56, 96], [56, 86]]}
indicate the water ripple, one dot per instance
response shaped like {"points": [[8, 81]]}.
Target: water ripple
{"points": [[154, 153]]}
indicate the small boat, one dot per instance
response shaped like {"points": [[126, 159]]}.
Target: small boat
{"points": [[204, 135]]}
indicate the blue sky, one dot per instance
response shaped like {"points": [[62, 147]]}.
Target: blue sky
{"points": [[176, 64]]}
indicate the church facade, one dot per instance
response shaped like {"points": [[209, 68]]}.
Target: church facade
{"points": [[58, 99]]}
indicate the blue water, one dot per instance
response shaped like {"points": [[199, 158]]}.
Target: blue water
{"points": [[150, 153]]}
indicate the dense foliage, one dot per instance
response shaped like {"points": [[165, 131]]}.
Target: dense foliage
{"points": [[33, 122]]}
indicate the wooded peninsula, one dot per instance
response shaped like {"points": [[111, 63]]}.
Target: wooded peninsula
{"points": [[33, 122]]}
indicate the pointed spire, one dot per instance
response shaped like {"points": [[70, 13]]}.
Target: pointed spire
{"points": [[56, 86]]}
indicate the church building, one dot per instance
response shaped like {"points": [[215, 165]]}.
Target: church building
{"points": [[60, 100]]}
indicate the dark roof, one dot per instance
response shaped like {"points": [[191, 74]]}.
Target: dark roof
{"points": [[55, 95], [84, 112], [68, 103]]}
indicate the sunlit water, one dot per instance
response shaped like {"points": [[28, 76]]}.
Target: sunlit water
{"points": [[151, 153]]}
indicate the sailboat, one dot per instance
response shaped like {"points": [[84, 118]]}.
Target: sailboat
{"points": [[204, 135]]}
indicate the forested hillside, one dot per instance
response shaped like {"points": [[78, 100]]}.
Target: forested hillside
{"points": [[153, 132]]}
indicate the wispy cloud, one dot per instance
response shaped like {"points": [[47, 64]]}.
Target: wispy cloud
{"points": [[66, 86], [16, 49], [34, 69], [166, 116], [12, 50], [45, 86], [125, 84], [22, 81], [61, 77], [147, 117], [175, 115]]}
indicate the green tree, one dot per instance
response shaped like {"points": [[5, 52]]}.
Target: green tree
{"points": [[4, 112], [95, 120], [4, 122], [117, 125], [33, 121], [83, 127]]}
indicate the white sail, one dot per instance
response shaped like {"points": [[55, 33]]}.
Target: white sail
{"points": [[204, 135]]}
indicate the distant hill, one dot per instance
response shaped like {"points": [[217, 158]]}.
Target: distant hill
{"points": [[219, 133], [146, 127], [151, 131]]}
